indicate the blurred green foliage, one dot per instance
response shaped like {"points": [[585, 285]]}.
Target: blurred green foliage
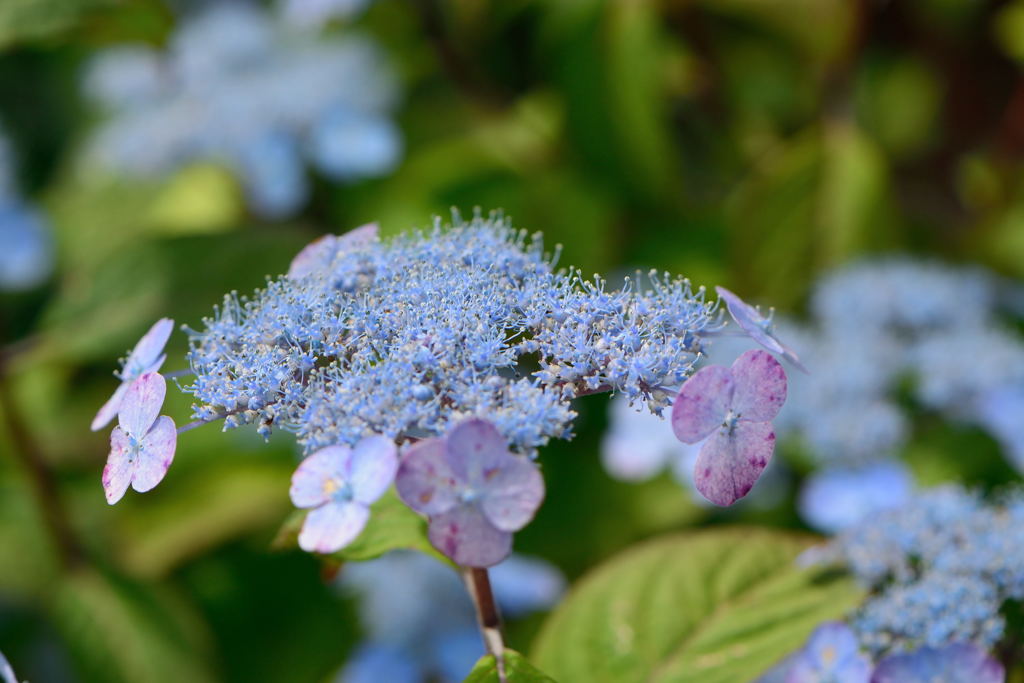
{"points": [[744, 142]]}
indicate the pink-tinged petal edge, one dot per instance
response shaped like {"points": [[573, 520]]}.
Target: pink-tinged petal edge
{"points": [[308, 482], [313, 256], [110, 409], [513, 494], [373, 468], [467, 538], [760, 386], [425, 481], [702, 403], [155, 455], [332, 526], [359, 237], [751, 321], [729, 464], [151, 346], [117, 474], [142, 403]]}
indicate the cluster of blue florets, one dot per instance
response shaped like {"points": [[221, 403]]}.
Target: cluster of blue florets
{"points": [[239, 88], [940, 569], [408, 336]]}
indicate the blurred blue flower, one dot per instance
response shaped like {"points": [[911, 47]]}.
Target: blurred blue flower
{"points": [[956, 663], [417, 610], [831, 655], [314, 13], [835, 498], [26, 259], [237, 88]]}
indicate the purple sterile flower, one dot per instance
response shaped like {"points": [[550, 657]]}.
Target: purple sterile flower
{"points": [[956, 663], [831, 654], [732, 408], [147, 356], [142, 446], [759, 327], [475, 492], [339, 483], [318, 254]]}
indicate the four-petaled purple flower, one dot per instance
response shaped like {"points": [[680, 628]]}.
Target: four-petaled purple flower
{"points": [[339, 483], [474, 491], [142, 446], [732, 408], [147, 356], [757, 326]]}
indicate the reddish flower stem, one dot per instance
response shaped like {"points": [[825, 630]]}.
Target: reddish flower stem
{"points": [[478, 583]]}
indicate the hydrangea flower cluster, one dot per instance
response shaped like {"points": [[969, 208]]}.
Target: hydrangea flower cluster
{"points": [[832, 654], [465, 348], [310, 14], [26, 259], [418, 621], [236, 88], [939, 568]]}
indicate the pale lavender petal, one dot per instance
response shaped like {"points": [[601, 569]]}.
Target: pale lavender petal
{"points": [[955, 663], [760, 386], [465, 536], [425, 481], [316, 477], [360, 237], [150, 348], [513, 494], [117, 474], [314, 256], [702, 403], [141, 404], [109, 410], [755, 325], [156, 453], [729, 464], [332, 526], [475, 449], [373, 467]]}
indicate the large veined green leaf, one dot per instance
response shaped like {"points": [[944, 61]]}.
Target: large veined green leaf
{"points": [[392, 526], [715, 606], [517, 670]]}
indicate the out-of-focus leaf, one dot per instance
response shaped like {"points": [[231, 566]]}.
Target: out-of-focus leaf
{"points": [[808, 205], [392, 526], [517, 670], [1008, 26], [715, 606], [221, 502], [120, 632], [28, 562], [898, 102], [202, 198], [24, 20]]}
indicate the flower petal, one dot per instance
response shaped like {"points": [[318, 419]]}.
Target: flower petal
{"points": [[332, 526], [373, 467], [314, 256], [149, 349], [753, 323], [310, 480], [360, 237], [702, 403], [465, 536], [141, 404], [955, 662], [729, 464], [109, 410], [760, 386], [156, 453], [425, 481], [475, 449], [513, 494], [117, 474]]}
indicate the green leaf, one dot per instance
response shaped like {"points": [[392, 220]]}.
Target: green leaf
{"points": [[715, 606], [392, 526], [517, 670], [118, 631]]}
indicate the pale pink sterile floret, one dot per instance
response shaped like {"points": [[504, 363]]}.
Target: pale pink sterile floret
{"points": [[147, 356], [473, 489], [732, 408], [142, 445], [318, 254], [338, 484]]}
